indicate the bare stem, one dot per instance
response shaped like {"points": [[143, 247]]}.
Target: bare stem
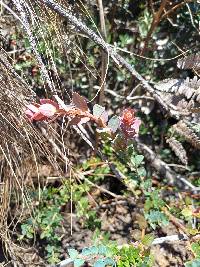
{"points": [[104, 56]]}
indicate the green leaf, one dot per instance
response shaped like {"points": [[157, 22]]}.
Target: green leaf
{"points": [[114, 123], [137, 160], [86, 252], [78, 262], [156, 217], [141, 172], [43, 235], [146, 185], [73, 253], [99, 263], [94, 250], [109, 261], [103, 250], [194, 263], [148, 239], [98, 110], [187, 212], [196, 248]]}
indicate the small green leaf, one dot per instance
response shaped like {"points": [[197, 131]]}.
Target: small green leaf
{"points": [[109, 261], [99, 263], [73, 253], [114, 123], [86, 252], [43, 235], [78, 262], [148, 239], [194, 263], [98, 110], [137, 160], [141, 172], [187, 212], [94, 250], [103, 250], [196, 248]]}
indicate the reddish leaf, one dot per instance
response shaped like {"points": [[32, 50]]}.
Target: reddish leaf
{"points": [[79, 120], [49, 101], [79, 102], [75, 120]]}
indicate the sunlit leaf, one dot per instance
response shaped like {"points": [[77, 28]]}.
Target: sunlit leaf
{"points": [[141, 172], [114, 123], [148, 239], [194, 263], [99, 263], [98, 110], [73, 253], [109, 261], [102, 250], [86, 251], [137, 160], [187, 212], [78, 262]]}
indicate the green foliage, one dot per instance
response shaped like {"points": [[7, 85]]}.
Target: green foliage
{"points": [[156, 218], [47, 216], [98, 169], [145, 23], [99, 255], [125, 40], [114, 123], [112, 255], [27, 230], [46, 219], [153, 206], [194, 263], [132, 256], [196, 250]]}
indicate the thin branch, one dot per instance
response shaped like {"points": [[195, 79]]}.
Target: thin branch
{"points": [[179, 5], [170, 238], [104, 56], [193, 187], [156, 19]]}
